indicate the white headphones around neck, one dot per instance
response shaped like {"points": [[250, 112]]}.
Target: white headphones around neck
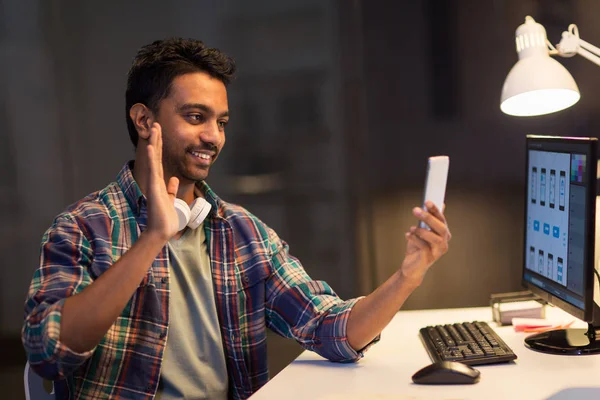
{"points": [[191, 216]]}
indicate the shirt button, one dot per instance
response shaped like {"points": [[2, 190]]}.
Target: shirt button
{"points": [[163, 334], [164, 279], [245, 279], [149, 388]]}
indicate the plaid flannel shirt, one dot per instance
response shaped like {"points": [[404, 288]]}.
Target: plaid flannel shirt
{"points": [[258, 284]]}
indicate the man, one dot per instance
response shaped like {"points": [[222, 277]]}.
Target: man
{"points": [[125, 304]]}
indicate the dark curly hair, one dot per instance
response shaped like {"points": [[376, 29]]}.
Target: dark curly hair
{"points": [[156, 65]]}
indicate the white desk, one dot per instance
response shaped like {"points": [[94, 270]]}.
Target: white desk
{"points": [[386, 370]]}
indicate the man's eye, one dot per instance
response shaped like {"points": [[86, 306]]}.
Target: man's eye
{"points": [[223, 124], [196, 117]]}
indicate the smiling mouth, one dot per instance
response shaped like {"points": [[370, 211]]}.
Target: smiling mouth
{"points": [[202, 156]]}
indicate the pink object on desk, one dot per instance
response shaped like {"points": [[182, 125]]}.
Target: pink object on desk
{"points": [[537, 325]]}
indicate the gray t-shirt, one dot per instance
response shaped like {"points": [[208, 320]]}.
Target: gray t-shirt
{"points": [[193, 364]]}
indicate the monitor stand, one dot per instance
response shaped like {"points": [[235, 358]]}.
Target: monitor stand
{"points": [[566, 341]]}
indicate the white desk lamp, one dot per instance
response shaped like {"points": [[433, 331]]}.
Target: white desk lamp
{"points": [[538, 84]]}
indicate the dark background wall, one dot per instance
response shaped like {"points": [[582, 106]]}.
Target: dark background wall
{"points": [[336, 107]]}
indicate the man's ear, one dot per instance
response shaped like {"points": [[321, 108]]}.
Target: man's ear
{"points": [[142, 118]]}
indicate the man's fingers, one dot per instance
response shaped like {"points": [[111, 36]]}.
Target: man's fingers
{"points": [[172, 186], [442, 217], [433, 210], [434, 218], [151, 151], [434, 222], [418, 242], [429, 237], [432, 240], [152, 138], [157, 134], [155, 156]]}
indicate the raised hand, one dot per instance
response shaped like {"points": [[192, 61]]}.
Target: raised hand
{"points": [[87, 316], [162, 217], [425, 246], [372, 313]]}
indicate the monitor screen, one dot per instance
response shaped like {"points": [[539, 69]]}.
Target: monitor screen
{"points": [[560, 222]]}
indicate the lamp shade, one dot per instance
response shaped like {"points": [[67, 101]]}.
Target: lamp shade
{"points": [[537, 84]]}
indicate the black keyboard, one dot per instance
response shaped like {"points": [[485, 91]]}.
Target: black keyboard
{"points": [[471, 343]]}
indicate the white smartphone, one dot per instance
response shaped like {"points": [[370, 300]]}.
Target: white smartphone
{"points": [[435, 183]]}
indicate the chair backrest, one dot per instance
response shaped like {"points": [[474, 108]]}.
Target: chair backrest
{"points": [[35, 386]]}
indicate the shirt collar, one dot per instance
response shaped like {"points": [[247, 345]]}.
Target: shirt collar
{"points": [[202, 188]]}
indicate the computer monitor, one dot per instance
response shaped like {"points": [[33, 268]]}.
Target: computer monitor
{"points": [[560, 237]]}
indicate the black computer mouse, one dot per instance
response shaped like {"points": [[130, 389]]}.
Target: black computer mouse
{"points": [[446, 373]]}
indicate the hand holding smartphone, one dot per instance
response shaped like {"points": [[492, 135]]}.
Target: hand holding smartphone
{"points": [[435, 183]]}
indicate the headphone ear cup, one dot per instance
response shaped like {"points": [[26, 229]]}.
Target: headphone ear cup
{"points": [[183, 213], [198, 212]]}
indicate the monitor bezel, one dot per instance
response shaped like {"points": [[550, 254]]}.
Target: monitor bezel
{"points": [[587, 314]]}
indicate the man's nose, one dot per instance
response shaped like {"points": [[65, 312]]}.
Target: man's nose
{"points": [[211, 134]]}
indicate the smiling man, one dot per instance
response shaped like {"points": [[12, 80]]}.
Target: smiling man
{"points": [[126, 303]]}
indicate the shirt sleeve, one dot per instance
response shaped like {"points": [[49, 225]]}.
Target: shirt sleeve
{"points": [[306, 310], [65, 255]]}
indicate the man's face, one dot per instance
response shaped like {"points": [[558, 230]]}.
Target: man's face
{"points": [[193, 119]]}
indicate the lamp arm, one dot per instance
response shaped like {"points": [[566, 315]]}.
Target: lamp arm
{"points": [[571, 44], [589, 51]]}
